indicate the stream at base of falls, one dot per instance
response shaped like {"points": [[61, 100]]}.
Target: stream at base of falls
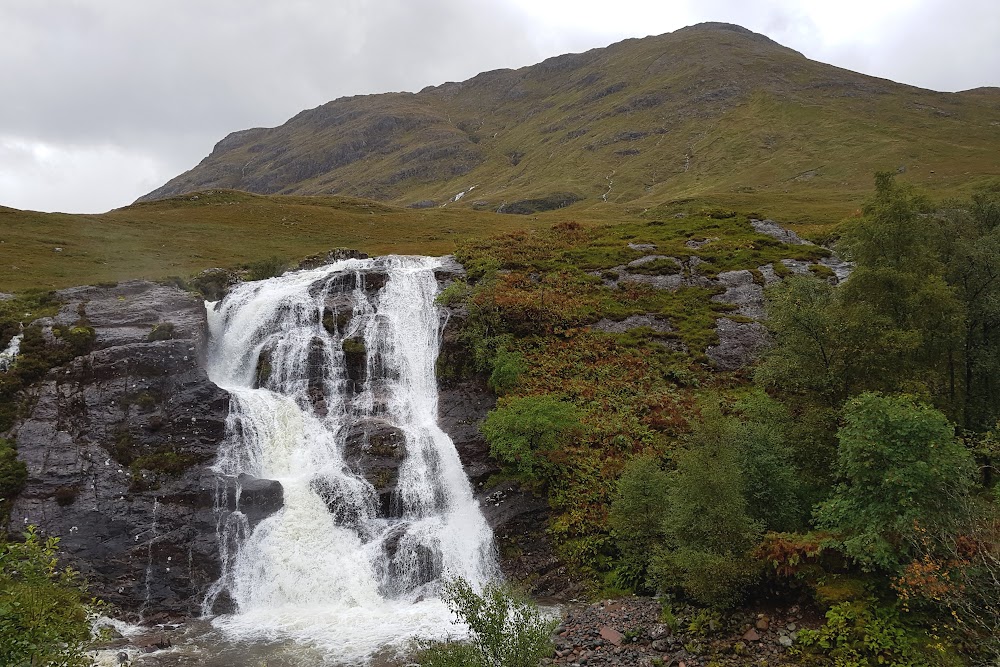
{"points": [[331, 373]]}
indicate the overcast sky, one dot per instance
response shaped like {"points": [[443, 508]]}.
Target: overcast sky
{"points": [[102, 101]]}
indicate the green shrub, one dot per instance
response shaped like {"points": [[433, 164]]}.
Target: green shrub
{"points": [[266, 268], [862, 634], [43, 608], [903, 472], [524, 432], [709, 533], [508, 366], [505, 629], [636, 517], [13, 472]]}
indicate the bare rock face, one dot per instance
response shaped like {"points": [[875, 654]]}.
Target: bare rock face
{"points": [[740, 344], [117, 444]]}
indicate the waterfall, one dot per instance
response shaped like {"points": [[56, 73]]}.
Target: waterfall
{"points": [[334, 395], [9, 355]]}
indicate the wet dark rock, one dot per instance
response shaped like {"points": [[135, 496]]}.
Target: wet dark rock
{"points": [[262, 372], [449, 270], [375, 449], [462, 407], [258, 498], [335, 255], [131, 427], [356, 360], [374, 280]]}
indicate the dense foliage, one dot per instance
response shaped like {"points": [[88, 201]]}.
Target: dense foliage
{"points": [[855, 462]]}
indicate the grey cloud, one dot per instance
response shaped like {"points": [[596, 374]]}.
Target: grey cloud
{"points": [[165, 73]]}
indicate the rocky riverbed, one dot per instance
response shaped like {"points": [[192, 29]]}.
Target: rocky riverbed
{"points": [[636, 632]]}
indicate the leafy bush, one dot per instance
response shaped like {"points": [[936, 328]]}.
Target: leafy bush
{"points": [[862, 634], [43, 608], [902, 471], [508, 366], [524, 433], [636, 517], [505, 629], [266, 268], [709, 534], [770, 482], [13, 472]]}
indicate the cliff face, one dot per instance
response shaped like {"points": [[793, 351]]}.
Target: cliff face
{"points": [[117, 444]]}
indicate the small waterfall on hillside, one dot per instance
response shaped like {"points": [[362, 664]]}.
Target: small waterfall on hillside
{"points": [[333, 394]]}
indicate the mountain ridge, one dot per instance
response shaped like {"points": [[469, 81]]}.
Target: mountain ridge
{"points": [[705, 110]]}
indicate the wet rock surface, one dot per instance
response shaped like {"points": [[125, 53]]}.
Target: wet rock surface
{"points": [[117, 444]]}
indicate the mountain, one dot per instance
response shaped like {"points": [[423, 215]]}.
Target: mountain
{"points": [[712, 111]]}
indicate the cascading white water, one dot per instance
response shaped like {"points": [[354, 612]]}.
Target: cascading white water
{"points": [[337, 566], [9, 355]]}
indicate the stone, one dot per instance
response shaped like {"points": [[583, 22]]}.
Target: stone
{"points": [[763, 623], [654, 322], [611, 635], [743, 292], [659, 631], [259, 498], [785, 641], [740, 343], [751, 635], [774, 230]]}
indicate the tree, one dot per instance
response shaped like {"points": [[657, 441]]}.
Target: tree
{"points": [[709, 535], [771, 485], [43, 608], [636, 517], [902, 470]]}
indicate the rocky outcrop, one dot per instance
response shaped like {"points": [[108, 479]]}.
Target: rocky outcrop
{"points": [[117, 444], [742, 336]]}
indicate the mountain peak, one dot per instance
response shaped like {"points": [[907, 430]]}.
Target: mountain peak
{"points": [[709, 108]]}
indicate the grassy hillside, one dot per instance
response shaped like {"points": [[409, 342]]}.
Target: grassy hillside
{"points": [[184, 235], [708, 112]]}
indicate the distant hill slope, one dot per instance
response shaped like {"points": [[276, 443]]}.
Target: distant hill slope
{"points": [[706, 110]]}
